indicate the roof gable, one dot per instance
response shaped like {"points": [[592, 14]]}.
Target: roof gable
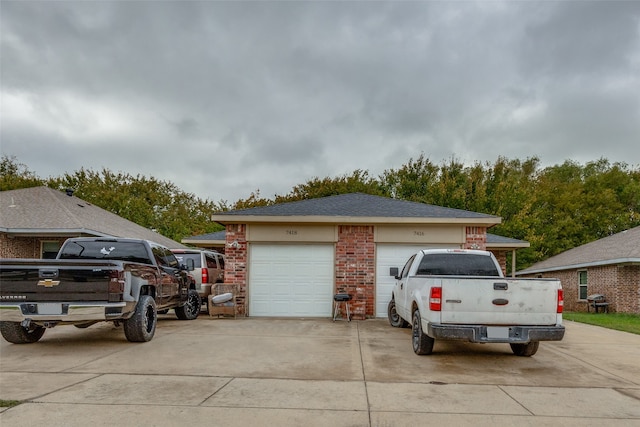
{"points": [[42, 210]]}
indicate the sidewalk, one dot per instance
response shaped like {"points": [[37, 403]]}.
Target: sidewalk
{"points": [[277, 372]]}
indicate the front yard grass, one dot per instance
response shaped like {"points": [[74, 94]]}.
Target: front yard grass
{"points": [[619, 321]]}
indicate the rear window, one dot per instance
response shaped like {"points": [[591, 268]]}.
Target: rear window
{"points": [[183, 257], [124, 251], [457, 265]]}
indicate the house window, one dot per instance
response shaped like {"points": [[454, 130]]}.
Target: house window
{"points": [[582, 284], [50, 249]]}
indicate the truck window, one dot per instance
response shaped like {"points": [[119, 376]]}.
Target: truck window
{"points": [[457, 265], [407, 267], [164, 257], [105, 249]]}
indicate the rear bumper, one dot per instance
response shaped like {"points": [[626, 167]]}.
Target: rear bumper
{"points": [[497, 334], [64, 312]]}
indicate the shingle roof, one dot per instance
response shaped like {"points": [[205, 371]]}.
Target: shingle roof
{"points": [[493, 240], [42, 210], [218, 235], [620, 248], [357, 205]]}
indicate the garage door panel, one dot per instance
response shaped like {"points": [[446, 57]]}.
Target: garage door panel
{"points": [[291, 280]]}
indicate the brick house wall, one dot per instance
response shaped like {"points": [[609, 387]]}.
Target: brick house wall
{"points": [[235, 265], [24, 247], [355, 263], [476, 238], [356, 268], [620, 284]]}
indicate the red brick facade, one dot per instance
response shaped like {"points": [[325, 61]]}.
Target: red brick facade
{"points": [[355, 263], [476, 238], [356, 268], [235, 266], [620, 284]]}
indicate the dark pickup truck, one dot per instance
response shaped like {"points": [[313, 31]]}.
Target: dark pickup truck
{"points": [[125, 281]]}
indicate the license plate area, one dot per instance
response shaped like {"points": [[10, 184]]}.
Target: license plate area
{"points": [[497, 332], [49, 308]]}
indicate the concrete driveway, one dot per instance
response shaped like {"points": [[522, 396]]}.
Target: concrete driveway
{"points": [[285, 372]]}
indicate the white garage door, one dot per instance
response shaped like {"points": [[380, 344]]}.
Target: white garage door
{"points": [[291, 280], [394, 255]]}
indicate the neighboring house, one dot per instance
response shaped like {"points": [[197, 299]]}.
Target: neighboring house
{"points": [[609, 266], [34, 222], [289, 259]]}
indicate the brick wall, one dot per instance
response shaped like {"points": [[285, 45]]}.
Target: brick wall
{"points": [[235, 267], [476, 238], [355, 268], [23, 247], [501, 256], [619, 284]]}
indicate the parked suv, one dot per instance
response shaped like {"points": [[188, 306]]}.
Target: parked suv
{"points": [[208, 268]]}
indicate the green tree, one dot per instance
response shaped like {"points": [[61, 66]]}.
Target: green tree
{"points": [[414, 181], [15, 175], [358, 181]]}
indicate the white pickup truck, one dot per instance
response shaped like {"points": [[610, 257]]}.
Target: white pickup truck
{"points": [[457, 294]]}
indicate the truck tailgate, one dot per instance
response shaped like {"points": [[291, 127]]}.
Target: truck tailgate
{"points": [[498, 301], [51, 281]]}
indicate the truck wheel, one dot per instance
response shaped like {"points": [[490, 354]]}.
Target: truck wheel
{"points": [[422, 343], [525, 350], [142, 325], [394, 318], [15, 333], [191, 309]]}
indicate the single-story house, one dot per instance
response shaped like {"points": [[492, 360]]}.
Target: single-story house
{"points": [[34, 222], [609, 267], [290, 259]]}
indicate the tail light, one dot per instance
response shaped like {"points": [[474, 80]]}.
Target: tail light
{"points": [[435, 299], [116, 285], [205, 275], [560, 301]]}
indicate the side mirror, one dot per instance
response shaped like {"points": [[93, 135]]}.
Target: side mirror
{"points": [[190, 265], [393, 271]]}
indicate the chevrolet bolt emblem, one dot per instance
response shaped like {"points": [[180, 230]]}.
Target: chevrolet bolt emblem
{"points": [[48, 283]]}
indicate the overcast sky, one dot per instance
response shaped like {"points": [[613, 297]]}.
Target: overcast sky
{"points": [[225, 98]]}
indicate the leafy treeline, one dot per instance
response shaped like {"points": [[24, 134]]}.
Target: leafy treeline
{"points": [[553, 208]]}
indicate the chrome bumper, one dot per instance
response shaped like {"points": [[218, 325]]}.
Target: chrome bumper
{"points": [[64, 312], [496, 334]]}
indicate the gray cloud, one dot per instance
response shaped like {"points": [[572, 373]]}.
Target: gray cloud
{"points": [[223, 98]]}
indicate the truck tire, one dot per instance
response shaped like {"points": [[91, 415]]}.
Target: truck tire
{"points": [[525, 350], [422, 343], [15, 333], [394, 318], [142, 325], [191, 309]]}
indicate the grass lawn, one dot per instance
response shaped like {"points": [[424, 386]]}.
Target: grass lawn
{"points": [[619, 321]]}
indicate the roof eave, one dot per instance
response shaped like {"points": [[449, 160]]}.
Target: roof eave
{"points": [[51, 232], [626, 261], [507, 245]]}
